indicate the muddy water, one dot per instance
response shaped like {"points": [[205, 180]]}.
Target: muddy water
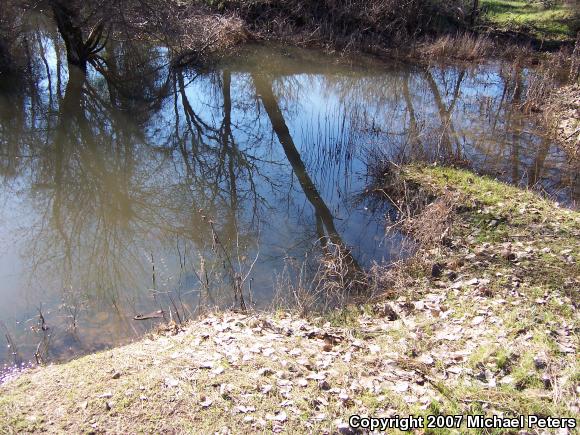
{"points": [[143, 187]]}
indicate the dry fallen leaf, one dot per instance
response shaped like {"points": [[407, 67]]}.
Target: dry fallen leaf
{"points": [[280, 416], [245, 409], [265, 389], [316, 376], [206, 402], [401, 387], [171, 382]]}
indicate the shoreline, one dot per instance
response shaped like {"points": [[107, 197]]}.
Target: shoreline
{"points": [[481, 321]]}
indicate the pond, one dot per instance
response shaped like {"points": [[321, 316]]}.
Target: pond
{"points": [[142, 187]]}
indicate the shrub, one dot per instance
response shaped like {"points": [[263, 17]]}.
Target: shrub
{"points": [[350, 21]]}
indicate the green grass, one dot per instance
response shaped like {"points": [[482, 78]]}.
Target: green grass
{"points": [[558, 22]]}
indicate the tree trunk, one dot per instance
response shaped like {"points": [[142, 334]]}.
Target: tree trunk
{"points": [[474, 12], [67, 20]]}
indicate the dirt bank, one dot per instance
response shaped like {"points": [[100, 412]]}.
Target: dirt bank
{"points": [[485, 322]]}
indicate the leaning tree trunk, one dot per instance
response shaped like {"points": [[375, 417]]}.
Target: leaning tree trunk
{"points": [[68, 23]]}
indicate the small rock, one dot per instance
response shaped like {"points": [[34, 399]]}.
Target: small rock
{"points": [[268, 351], [116, 375], [343, 396], [316, 376], [245, 409]]}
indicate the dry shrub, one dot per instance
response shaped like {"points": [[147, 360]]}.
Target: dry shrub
{"points": [[429, 229], [554, 71], [467, 47], [427, 220], [408, 198], [554, 91], [390, 281], [330, 280], [431, 226], [349, 23], [203, 34], [192, 30], [472, 46], [338, 275]]}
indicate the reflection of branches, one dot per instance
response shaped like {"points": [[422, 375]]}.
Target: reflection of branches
{"points": [[264, 90], [445, 113]]}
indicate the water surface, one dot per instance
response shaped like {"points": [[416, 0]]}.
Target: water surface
{"points": [[145, 187]]}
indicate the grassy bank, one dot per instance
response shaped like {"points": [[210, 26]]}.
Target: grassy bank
{"points": [[483, 320], [546, 22]]}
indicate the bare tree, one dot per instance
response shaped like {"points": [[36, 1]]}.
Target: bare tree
{"points": [[68, 20]]}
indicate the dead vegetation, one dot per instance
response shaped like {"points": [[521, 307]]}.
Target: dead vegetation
{"points": [[463, 47], [355, 23], [562, 113], [194, 31], [332, 280], [469, 46], [554, 91]]}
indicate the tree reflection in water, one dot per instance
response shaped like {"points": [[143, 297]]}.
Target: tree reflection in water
{"points": [[134, 186]]}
